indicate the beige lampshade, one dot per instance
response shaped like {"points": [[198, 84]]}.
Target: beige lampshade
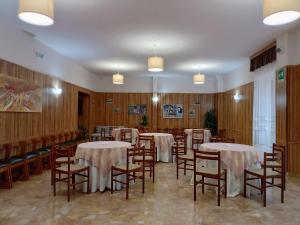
{"points": [[37, 12], [118, 78], [199, 78], [155, 64], [278, 12]]}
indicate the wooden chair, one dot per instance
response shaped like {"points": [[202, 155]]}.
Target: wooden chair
{"points": [[132, 171], [126, 135], [197, 138], [16, 159], [5, 170], [150, 153], [180, 143], [61, 138], [32, 157], [273, 168], [184, 159], [217, 139], [211, 173], [68, 171], [229, 140], [41, 146]]}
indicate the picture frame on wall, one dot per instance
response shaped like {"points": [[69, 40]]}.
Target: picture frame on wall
{"points": [[137, 109], [192, 113], [172, 111]]}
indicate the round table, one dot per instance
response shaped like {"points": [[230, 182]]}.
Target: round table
{"points": [[116, 133], [101, 156], [189, 132], [163, 144], [235, 158]]}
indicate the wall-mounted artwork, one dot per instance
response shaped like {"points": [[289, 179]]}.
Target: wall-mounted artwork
{"points": [[109, 101], [18, 95], [192, 113], [172, 111], [139, 109]]}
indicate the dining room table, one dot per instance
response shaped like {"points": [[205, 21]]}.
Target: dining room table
{"points": [[189, 132], [116, 133], [235, 158], [100, 156], [163, 144]]}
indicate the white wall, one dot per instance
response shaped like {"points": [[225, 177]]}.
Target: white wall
{"points": [[19, 47]]}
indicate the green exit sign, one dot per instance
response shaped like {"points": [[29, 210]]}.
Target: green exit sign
{"points": [[281, 74]]}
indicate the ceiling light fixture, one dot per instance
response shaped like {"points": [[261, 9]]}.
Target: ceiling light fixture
{"points": [[155, 63], [278, 12], [199, 78], [37, 12], [118, 78]]}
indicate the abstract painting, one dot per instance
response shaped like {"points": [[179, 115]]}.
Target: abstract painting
{"points": [[17, 95], [172, 111]]}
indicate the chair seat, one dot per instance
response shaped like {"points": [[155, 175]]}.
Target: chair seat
{"points": [[260, 172], [273, 163], [140, 158], [31, 155], [44, 150], [64, 160], [3, 165], [211, 171], [130, 167], [73, 168], [186, 156], [15, 160]]}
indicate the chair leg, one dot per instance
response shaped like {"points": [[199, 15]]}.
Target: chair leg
{"points": [[153, 178], [177, 169], [68, 187], [225, 184], [73, 181], [88, 181], [112, 182], [25, 171], [184, 168], [127, 185], [245, 181], [219, 192], [202, 181], [143, 180], [53, 180], [195, 187], [264, 190], [282, 190]]}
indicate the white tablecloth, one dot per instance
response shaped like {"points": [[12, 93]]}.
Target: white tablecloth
{"points": [[101, 156], [163, 144], [235, 158], [189, 132], [116, 133]]}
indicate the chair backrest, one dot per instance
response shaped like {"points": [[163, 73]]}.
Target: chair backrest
{"points": [[280, 152], [148, 142], [36, 143], [208, 156], [270, 158], [61, 138], [67, 136], [126, 135], [58, 151], [45, 141], [5, 152], [135, 151], [197, 137], [221, 132], [24, 147]]}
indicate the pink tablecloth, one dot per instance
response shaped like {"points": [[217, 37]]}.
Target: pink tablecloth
{"points": [[236, 157], [163, 143], [207, 136], [100, 156], [116, 133]]}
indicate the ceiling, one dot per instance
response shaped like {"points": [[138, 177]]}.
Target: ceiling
{"points": [[105, 36]]}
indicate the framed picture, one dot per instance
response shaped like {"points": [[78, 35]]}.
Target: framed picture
{"points": [[139, 109], [192, 113], [172, 111], [17, 95]]}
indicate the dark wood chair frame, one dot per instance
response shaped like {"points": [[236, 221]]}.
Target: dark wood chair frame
{"points": [[210, 156], [126, 135], [195, 138], [69, 176], [131, 174], [269, 158], [5, 170]]}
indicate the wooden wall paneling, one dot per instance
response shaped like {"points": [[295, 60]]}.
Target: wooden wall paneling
{"points": [[236, 116]]}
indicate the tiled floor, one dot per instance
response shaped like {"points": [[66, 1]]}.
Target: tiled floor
{"points": [[168, 201]]}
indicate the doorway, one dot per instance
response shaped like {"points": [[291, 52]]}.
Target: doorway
{"points": [[83, 111]]}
